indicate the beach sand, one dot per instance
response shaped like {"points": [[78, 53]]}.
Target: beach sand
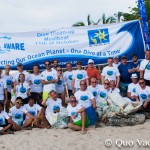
{"points": [[66, 139]]}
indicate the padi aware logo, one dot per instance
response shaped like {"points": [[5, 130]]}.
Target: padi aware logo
{"points": [[8, 46], [98, 37]]}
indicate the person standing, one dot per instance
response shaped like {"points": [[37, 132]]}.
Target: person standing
{"points": [[36, 85], [111, 73], [116, 62], [9, 80], [124, 76], [49, 78], [145, 68], [92, 72]]}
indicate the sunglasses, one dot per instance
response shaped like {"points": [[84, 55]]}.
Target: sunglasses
{"points": [[106, 83], [82, 84], [59, 70], [90, 63], [74, 101], [141, 82], [123, 58], [94, 82], [47, 64], [79, 64]]}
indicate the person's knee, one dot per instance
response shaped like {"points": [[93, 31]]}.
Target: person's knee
{"points": [[69, 125]]}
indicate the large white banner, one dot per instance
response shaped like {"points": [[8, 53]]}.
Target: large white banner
{"points": [[71, 44]]}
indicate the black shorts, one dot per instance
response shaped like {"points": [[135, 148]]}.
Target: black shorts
{"points": [[37, 97], [147, 82], [25, 100]]}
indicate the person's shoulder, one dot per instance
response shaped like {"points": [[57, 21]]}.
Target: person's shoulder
{"points": [[59, 100]]}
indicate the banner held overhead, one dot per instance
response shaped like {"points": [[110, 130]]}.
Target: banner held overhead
{"points": [[72, 44]]}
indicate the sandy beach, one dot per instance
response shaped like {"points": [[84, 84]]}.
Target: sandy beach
{"points": [[65, 139]]}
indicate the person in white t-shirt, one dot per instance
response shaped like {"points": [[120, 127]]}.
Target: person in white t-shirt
{"points": [[94, 88], [9, 83], [68, 78], [87, 100], [78, 119], [36, 111], [36, 87], [52, 102], [3, 90], [22, 89], [113, 87], [79, 75], [54, 64], [20, 71], [111, 73], [105, 90], [145, 68], [17, 113], [133, 87], [60, 85], [49, 78], [116, 62], [5, 126], [143, 94]]}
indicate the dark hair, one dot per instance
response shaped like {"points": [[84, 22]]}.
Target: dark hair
{"points": [[52, 91], [47, 61], [21, 74], [18, 98], [1, 103], [31, 97], [54, 60], [68, 63], [110, 58], [36, 65], [142, 79]]}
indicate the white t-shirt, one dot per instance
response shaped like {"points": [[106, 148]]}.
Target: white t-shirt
{"points": [[84, 98], [16, 76], [3, 116], [72, 110], [60, 86], [95, 91], [48, 76], [110, 73], [2, 87], [36, 85], [8, 79], [68, 79], [79, 75], [103, 93], [22, 90], [132, 88], [116, 65], [17, 114], [32, 110], [50, 103], [145, 65], [116, 90], [143, 94]]}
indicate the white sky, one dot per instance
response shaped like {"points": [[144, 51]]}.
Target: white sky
{"points": [[31, 15]]}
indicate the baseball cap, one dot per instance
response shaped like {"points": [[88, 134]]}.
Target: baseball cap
{"points": [[123, 57], [116, 57], [134, 75], [90, 61]]}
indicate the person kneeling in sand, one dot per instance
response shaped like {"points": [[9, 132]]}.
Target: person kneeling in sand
{"points": [[78, 119], [17, 113], [36, 111]]}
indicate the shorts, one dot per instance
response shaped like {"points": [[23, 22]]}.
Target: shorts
{"points": [[123, 89], [79, 123], [70, 92], [59, 90], [25, 100], [45, 94], [147, 82], [37, 97]]}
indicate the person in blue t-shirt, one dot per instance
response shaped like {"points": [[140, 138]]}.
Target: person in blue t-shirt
{"points": [[134, 66], [124, 76]]}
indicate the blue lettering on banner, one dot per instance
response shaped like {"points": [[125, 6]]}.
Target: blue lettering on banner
{"points": [[15, 46], [98, 37]]}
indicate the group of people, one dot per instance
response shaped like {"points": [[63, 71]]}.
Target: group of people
{"points": [[38, 93]]}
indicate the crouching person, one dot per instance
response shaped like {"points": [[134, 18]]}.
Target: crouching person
{"points": [[36, 111], [78, 119], [17, 114]]}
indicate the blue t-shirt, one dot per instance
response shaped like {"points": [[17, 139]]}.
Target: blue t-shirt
{"points": [[124, 74], [133, 65]]}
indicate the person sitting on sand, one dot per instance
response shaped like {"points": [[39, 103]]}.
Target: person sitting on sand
{"points": [[52, 102], [6, 123], [78, 119], [36, 111], [17, 113]]}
